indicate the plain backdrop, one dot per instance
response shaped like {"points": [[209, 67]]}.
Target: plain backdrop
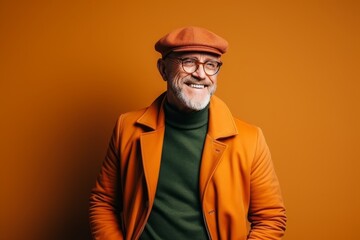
{"points": [[69, 68]]}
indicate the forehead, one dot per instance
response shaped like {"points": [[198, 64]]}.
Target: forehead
{"points": [[196, 55]]}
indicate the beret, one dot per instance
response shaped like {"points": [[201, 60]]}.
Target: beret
{"points": [[191, 39]]}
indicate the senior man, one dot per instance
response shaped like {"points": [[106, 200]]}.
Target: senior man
{"points": [[184, 167]]}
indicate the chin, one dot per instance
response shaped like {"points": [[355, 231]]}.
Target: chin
{"points": [[195, 103]]}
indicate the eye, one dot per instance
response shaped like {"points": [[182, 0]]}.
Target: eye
{"points": [[188, 62], [212, 65]]}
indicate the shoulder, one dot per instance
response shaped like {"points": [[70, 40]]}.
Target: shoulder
{"points": [[245, 127], [131, 116], [224, 120], [150, 117]]}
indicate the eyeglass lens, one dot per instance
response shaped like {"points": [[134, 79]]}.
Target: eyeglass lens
{"points": [[191, 65]]}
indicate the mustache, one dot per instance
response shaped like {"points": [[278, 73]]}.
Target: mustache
{"points": [[192, 80]]}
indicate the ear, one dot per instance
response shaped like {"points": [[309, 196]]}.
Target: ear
{"points": [[162, 68]]}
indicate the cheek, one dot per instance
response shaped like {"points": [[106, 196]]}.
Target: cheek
{"points": [[172, 70], [213, 80], [176, 78]]}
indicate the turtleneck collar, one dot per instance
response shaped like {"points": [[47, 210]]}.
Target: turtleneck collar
{"points": [[185, 120]]}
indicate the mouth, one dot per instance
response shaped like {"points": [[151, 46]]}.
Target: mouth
{"points": [[196, 86]]}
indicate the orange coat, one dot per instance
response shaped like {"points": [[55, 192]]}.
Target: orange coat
{"points": [[237, 179]]}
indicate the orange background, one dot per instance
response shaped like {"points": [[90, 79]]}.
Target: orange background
{"points": [[69, 68]]}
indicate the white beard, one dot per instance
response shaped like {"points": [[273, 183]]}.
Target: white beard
{"points": [[193, 104]]}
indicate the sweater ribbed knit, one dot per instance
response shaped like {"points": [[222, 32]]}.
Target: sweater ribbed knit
{"points": [[176, 213]]}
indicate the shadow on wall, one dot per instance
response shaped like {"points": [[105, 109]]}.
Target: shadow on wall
{"points": [[77, 127]]}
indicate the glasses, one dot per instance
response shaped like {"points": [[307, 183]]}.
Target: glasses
{"points": [[191, 65]]}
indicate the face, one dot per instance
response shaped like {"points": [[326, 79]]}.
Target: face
{"points": [[188, 91]]}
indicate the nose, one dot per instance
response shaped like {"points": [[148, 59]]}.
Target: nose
{"points": [[200, 72]]}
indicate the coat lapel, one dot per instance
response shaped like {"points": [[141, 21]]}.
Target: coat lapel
{"points": [[212, 153], [221, 125], [151, 143], [151, 150]]}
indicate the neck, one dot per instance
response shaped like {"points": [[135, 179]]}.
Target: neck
{"points": [[187, 120]]}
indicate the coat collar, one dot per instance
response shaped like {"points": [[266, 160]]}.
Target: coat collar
{"points": [[221, 121]]}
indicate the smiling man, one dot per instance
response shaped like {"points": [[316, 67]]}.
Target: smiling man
{"points": [[184, 167], [190, 88]]}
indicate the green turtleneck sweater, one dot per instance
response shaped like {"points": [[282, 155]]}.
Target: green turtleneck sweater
{"points": [[176, 213]]}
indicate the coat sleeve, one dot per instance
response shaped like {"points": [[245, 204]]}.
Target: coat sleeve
{"points": [[267, 212], [105, 199]]}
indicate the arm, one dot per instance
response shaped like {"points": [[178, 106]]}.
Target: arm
{"points": [[105, 199], [267, 211]]}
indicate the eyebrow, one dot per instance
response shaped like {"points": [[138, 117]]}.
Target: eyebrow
{"points": [[206, 58]]}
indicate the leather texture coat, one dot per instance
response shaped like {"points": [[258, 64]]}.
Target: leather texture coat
{"points": [[239, 190]]}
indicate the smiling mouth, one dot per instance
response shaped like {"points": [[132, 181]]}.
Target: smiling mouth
{"points": [[197, 86]]}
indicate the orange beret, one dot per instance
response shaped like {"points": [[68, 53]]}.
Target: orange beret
{"points": [[191, 39]]}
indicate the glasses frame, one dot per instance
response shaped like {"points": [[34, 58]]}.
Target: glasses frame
{"points": [[198, 63]]}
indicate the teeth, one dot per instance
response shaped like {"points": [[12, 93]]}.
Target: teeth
{"points": [[199, 86]]}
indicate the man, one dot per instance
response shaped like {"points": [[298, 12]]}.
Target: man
{"points": [[184, 167]]}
